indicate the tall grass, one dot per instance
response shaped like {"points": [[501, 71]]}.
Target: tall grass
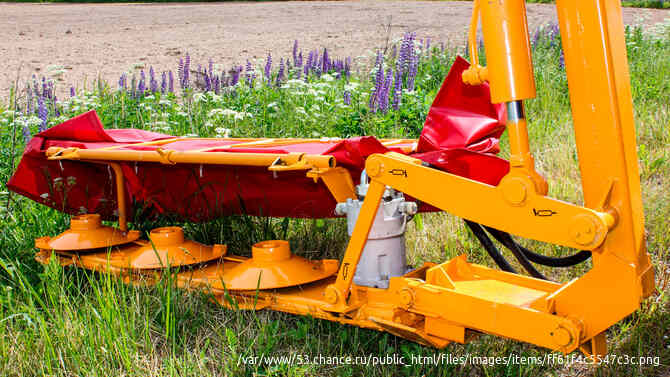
{"points": [[63, 321]]}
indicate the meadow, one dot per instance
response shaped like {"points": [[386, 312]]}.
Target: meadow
{"points": [[63, 321]]}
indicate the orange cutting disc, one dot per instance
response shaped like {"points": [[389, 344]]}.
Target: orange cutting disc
{"points": [[87, 232], [272, 265], [166, 248]]}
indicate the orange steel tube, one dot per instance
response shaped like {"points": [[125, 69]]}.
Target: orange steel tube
{"points": [[146, 143], [188, 157], [508, 56], [518, 143]]}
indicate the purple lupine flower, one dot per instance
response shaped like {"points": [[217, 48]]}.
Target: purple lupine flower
{"points": [[268, 68], [235, 78], [394, 52], [208, 82], [380, 58], [306, 71], [56, 110], [180, 71], [397, 90], [376, 91], [310, 59], [170, 82], [346, 97], [29, 100], [299, 62], [42, 113], [553, 33], [384, 93], [318, 67], [123, 82], [26, 134], [72, 92], [536, 37], [280, 74], [153, 83], [412, 70], [406, 51], [45, 88], [164, 82], [217, 84], [186, 72], [326, 61], [36, 87], [428, 45], [347, 66], [250, 74], [298, 74], [142, 85], [295, 52], [561, 60]]}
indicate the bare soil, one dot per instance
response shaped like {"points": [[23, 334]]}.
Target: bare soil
{"points": [[104, 40]]}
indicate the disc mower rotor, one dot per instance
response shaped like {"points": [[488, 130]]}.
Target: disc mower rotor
{"points": [[87, 232], [167, 247], [272, 265]]}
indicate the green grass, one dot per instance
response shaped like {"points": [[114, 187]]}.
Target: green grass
{"points": [[63, 321]]}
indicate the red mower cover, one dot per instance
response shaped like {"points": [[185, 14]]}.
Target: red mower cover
{"points": [[460, 136]]}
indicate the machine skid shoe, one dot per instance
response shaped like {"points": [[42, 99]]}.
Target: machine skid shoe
{"points": [[87, 232]]}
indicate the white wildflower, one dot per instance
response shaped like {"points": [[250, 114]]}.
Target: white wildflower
{"points": [[215, 112], [199, 97]]}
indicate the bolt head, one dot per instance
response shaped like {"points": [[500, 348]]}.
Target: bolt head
{"points": [[374, 167], [514, 190], [583, 230], [407, 297], [561, 336], [331, 295]]}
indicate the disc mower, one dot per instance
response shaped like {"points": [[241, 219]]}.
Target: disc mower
{"points": [[378, 186]]}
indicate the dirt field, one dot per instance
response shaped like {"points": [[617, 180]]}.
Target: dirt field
{"points": [[105, 40]]}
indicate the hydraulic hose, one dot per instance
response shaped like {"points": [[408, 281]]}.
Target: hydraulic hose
{"points": [[544, 260], [491, 249], [507, 240]]}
